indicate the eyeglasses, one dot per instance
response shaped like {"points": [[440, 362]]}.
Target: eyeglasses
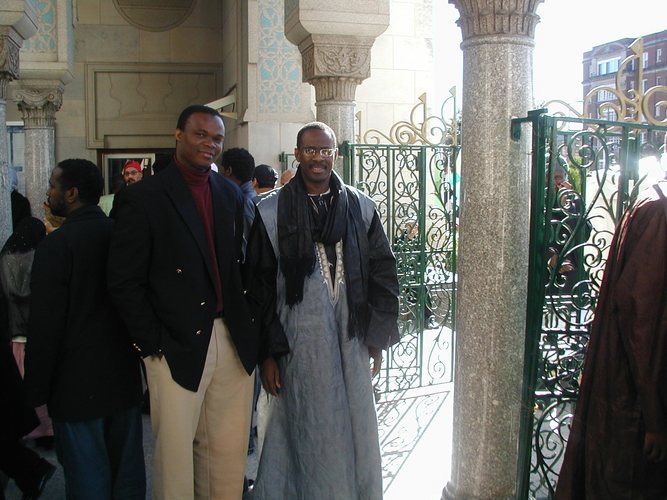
{"points": [[324, 152]]}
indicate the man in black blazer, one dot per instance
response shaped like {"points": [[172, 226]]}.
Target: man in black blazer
{"points": [[80, 360], [174, 273]]}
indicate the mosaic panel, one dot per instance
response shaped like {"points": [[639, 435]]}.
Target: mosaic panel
{"points": [[44, 41], [278, 63]]}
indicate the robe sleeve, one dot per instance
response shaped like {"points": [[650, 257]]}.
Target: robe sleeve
{"points": [[382, 289], [640, 298], [260, 271]]}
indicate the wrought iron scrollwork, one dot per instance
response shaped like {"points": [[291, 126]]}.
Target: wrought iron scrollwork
{"points": [[606, 166]]}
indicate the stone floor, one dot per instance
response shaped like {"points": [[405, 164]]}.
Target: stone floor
{"points": [[415, 436]]}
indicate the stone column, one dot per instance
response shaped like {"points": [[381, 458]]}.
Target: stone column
{"points": [[39, 105], [17, 23], [493, 247], [336, 52]]}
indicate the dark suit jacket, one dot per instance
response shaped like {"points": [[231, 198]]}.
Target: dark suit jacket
{"points": [[79, 359], [160, 272]]}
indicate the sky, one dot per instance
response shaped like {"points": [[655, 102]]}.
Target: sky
{"points": [[566, 30]]}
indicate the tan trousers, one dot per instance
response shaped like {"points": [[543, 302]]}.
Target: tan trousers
{"points": [[201, 438]]}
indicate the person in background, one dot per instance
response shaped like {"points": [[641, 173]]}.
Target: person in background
{"points": [[15, 267], [19, 203], [326, 298], [238, 165], [174, 273], [132, 172], [287, 176], [265, 179], [79, 358], [15, 270]]}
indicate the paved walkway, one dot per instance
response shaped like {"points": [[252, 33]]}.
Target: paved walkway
{"points": [[415, 436]]}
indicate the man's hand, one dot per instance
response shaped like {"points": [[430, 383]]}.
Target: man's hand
{"points": [[655, 446], [375, 354], [271, 376]]}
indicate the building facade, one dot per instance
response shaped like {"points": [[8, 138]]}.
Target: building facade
{"points": [[618, 67], [119, 72]]}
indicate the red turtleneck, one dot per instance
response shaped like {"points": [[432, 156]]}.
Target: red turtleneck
{"points": [[197, 181]]}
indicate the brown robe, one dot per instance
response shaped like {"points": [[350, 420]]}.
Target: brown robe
{"points": [[624, 384]]}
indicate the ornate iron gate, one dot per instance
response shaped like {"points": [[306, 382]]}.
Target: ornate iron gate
{"points": [[415, 188], [609, 164]]}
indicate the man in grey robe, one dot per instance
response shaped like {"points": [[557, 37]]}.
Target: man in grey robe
{"points": [[322, 282]]}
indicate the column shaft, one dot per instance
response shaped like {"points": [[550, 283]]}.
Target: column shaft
{"points": [[38, 104], [493, 248], [5, 203]]}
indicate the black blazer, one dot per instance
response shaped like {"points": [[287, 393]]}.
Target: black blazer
{"points": [[79, 359], [160, 272]]}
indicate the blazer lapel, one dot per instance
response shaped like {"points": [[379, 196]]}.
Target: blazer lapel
{"points": [[184, 203]]}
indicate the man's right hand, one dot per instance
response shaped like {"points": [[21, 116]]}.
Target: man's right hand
{"points": [[271, 376]]}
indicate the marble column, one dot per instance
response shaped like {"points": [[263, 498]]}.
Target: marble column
{"points": [[5, 203], [493, 247], [38, 105], [335, 40], [17, 23]]}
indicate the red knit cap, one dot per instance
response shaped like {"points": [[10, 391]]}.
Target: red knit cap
{"points": [[132, 164]]}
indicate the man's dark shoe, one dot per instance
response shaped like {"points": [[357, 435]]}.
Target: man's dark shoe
{"points": [[44, 472]]}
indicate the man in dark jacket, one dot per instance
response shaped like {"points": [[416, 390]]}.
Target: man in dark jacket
{"points": [[174, 273], [80, 361]]}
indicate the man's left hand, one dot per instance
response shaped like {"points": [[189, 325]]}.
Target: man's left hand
{"points": [[375, 353], [655, 446]]}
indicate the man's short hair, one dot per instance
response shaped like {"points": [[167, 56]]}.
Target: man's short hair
{"points": [[83, 175], [266, 176], [192, 109], [315, 126], [240, 161]]}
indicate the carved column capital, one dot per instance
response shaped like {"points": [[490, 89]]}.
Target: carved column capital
{"points": [[39, 104], [335, 66], [497, 17], [327, 57], [9, 62]]}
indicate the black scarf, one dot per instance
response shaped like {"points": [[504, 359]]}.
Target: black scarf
{"points": [[296, 235]]}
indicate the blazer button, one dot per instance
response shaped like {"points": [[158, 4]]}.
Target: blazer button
{"points": [[198, 332], [179, 270]]}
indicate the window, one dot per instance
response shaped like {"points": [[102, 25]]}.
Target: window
{"points": [[644, 85], [658, 81], [658, 55], [605, 95], [608, 66], [657, 110], [645, 59]]}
